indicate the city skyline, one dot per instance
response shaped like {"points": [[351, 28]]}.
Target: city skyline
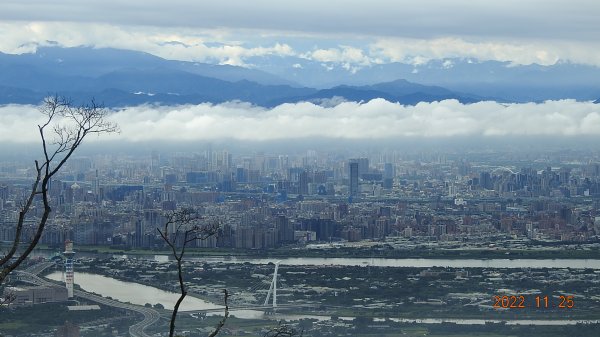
{"points": [[379, 168]]}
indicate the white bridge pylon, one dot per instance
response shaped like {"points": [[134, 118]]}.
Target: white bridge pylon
{"points": [[273, 287]]}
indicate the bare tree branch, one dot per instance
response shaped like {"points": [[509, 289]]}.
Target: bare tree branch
{"points": [[222, 322], [7, 298], [185, 222], [70, 125]]}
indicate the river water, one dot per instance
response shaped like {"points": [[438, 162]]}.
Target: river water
{"points": [[375, 262], [417, 263], [132, 292], [141, 294]]}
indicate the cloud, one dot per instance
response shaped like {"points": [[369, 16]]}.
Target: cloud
{"points": [[566, 20], [419, 51], [175, 43], [233, 46], [350, 58], [230, 32], [377, 119], [18, 123]]}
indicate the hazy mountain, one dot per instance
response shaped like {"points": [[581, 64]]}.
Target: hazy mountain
{"points": [[94, 62], [122, 77], [118, 77], [400, 91], [502, 80], [10, 95]]}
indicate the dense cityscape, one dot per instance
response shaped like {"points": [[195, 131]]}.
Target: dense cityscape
{"points": [[264, 201], [390, 204], [299, 168]]}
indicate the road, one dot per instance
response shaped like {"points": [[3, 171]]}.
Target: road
{"points": [[36, 269], [151, 316]]}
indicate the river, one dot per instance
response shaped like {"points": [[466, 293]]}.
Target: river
{"points": [[374, 262], [416, 263], [141, 294]]}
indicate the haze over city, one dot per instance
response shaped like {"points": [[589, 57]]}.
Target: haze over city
{"points": [[299, 168]]}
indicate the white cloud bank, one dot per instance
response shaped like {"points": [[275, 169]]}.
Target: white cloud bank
{"points": [[377, 119], [173, 43], [235, 47], [419, 51]]}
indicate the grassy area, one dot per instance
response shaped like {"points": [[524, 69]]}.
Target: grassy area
{"points": [[484, 253], [257, 328], [15, 326], [46, 317]]}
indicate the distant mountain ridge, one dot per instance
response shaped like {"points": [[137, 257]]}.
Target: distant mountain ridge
{"points": [[122, 77], [95, 62], [503, 80], [400, 91]]}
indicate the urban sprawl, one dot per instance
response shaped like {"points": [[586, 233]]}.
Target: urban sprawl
{"points": [[263, 201]]}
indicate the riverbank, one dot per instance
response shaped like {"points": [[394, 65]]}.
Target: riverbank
{"points": [[416, 288], [354, 252], [354, 292]]}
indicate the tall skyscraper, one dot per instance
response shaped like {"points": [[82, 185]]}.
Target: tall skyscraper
{"points": [[388, 170], [363, 166], [485, 180], [284, 228], [303, 183], [353, 178]]}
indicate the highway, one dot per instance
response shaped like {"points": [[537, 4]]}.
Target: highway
{"points": [[251, 307], [36, 269], [151, 316]]}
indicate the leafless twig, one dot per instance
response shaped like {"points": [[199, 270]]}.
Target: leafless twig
{"points": [[222, 322], [71, 125], [182, 227], [7, 298]]}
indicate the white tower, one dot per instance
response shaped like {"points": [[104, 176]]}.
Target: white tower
{"points": [[69, 253], [273, 288]]}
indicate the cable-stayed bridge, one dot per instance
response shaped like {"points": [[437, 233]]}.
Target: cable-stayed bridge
{"points": [[257, 290], [261, 289], [259, 295]]}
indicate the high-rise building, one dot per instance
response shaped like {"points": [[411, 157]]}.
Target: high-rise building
{"points": [[388, 170], [303, 183], [363, 166], [485, 180], [388, 175], [138, 238], [284, 228], [353, 178], [3, 192]]}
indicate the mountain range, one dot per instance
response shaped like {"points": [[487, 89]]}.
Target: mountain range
{"points": [[123, 77]]}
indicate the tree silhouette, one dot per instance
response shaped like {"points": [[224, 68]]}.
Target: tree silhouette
{"points": [[70, 125], [181, 228]]}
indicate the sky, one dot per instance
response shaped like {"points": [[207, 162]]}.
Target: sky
{"points": [[352, 32]]}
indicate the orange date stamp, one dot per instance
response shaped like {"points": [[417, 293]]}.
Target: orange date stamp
{"points": [[537, 302]]}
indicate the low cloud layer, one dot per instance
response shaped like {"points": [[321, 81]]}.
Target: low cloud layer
{"points": [[377, 119]]}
